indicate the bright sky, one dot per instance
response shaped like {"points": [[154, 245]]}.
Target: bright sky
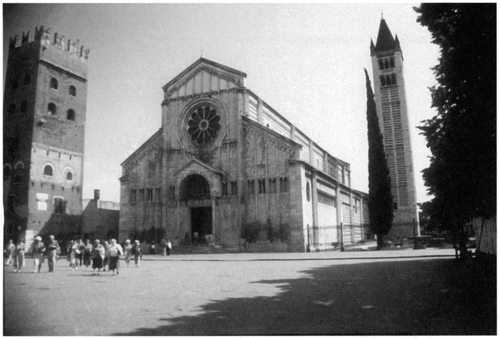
{"points": [[305, 60]]}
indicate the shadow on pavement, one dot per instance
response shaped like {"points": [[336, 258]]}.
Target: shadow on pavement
{"points": [[414, 297]]}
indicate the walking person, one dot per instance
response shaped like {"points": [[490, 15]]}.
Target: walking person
{"points": [[137, 252], [73, 251], [168, 247], [52, 253], [38, 248], [164, 247], [128, 252], [68, 251], [87, 253], [9, 252], [97, 257], [115, 250], [81, 248], [106, 256], [19, 258]]}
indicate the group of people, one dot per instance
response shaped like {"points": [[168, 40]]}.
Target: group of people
{"points": [[98, 256]]}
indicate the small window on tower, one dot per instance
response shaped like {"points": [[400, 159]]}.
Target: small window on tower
{"points": [[382, 81], [392, 62], [53, 83], [52, 108], [47, 170], [72, 91], [69, 176], [71, 115], [380, 64], [59, 206], [393, 79], [386, 64]]}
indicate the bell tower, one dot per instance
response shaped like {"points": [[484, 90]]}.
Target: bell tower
{"points": [[392, 111], [45, 100]]}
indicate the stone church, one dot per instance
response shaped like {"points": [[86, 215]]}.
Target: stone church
{"points": [[226, 165]]}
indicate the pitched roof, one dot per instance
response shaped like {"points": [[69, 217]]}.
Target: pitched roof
{"points": [[385, 41], [200, 61]]}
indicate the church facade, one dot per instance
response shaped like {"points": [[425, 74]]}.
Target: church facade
{"points": [[225, 164]]}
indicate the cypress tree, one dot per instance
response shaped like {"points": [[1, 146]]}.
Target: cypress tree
{"points": [[380, 202]]}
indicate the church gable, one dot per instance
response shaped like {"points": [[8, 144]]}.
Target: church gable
{"points": [[204, 76]]}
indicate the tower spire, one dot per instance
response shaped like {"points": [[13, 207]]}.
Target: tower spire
{"points": [[385, 40]]}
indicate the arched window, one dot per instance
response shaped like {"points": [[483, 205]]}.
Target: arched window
{"points": [[388, 80], [12, 109], [386, 64], [72, 91], [380, 64], [69, 176], [52, 108], [27, 79], [392, 62], [47, 170], [393, 79], [382, 81], [71, 115], [19, 172], [53, 83]]}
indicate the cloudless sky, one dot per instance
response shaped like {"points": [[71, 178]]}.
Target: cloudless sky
{"points": [[305, 60]]}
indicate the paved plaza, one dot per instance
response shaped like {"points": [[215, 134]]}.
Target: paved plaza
{"points": [[383, 293]]}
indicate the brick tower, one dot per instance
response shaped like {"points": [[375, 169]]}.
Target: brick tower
{"points": [[44, 124], [390, 98]]}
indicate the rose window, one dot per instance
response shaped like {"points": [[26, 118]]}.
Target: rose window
{"points": [[203, 124]]}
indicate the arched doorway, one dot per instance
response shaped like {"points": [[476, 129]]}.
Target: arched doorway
{"points": [[195, 187], [195, 191]]}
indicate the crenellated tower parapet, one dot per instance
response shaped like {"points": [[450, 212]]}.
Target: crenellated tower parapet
{"points": [[42, 37]]}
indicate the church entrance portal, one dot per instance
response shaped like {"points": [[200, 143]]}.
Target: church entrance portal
{"points": [[201, 222], [195, 191]]}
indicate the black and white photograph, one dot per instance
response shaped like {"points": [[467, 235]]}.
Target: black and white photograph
{"points": [[249, 169]]}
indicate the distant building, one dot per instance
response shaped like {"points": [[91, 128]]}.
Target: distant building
{"points": [[392, 111], [45, 103], [225, 163], [100, 218]]}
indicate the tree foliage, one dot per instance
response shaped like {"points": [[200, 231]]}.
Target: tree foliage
{"points": [[380, 202], [462, 136]]}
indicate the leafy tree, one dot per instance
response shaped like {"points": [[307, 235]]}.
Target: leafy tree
{"points": [[462, 136], [380, 203]]}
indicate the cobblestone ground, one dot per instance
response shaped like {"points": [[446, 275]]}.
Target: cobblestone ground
{"points": [[383, 293]]}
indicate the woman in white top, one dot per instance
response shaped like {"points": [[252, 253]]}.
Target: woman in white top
{"points": [[115, 250]]}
